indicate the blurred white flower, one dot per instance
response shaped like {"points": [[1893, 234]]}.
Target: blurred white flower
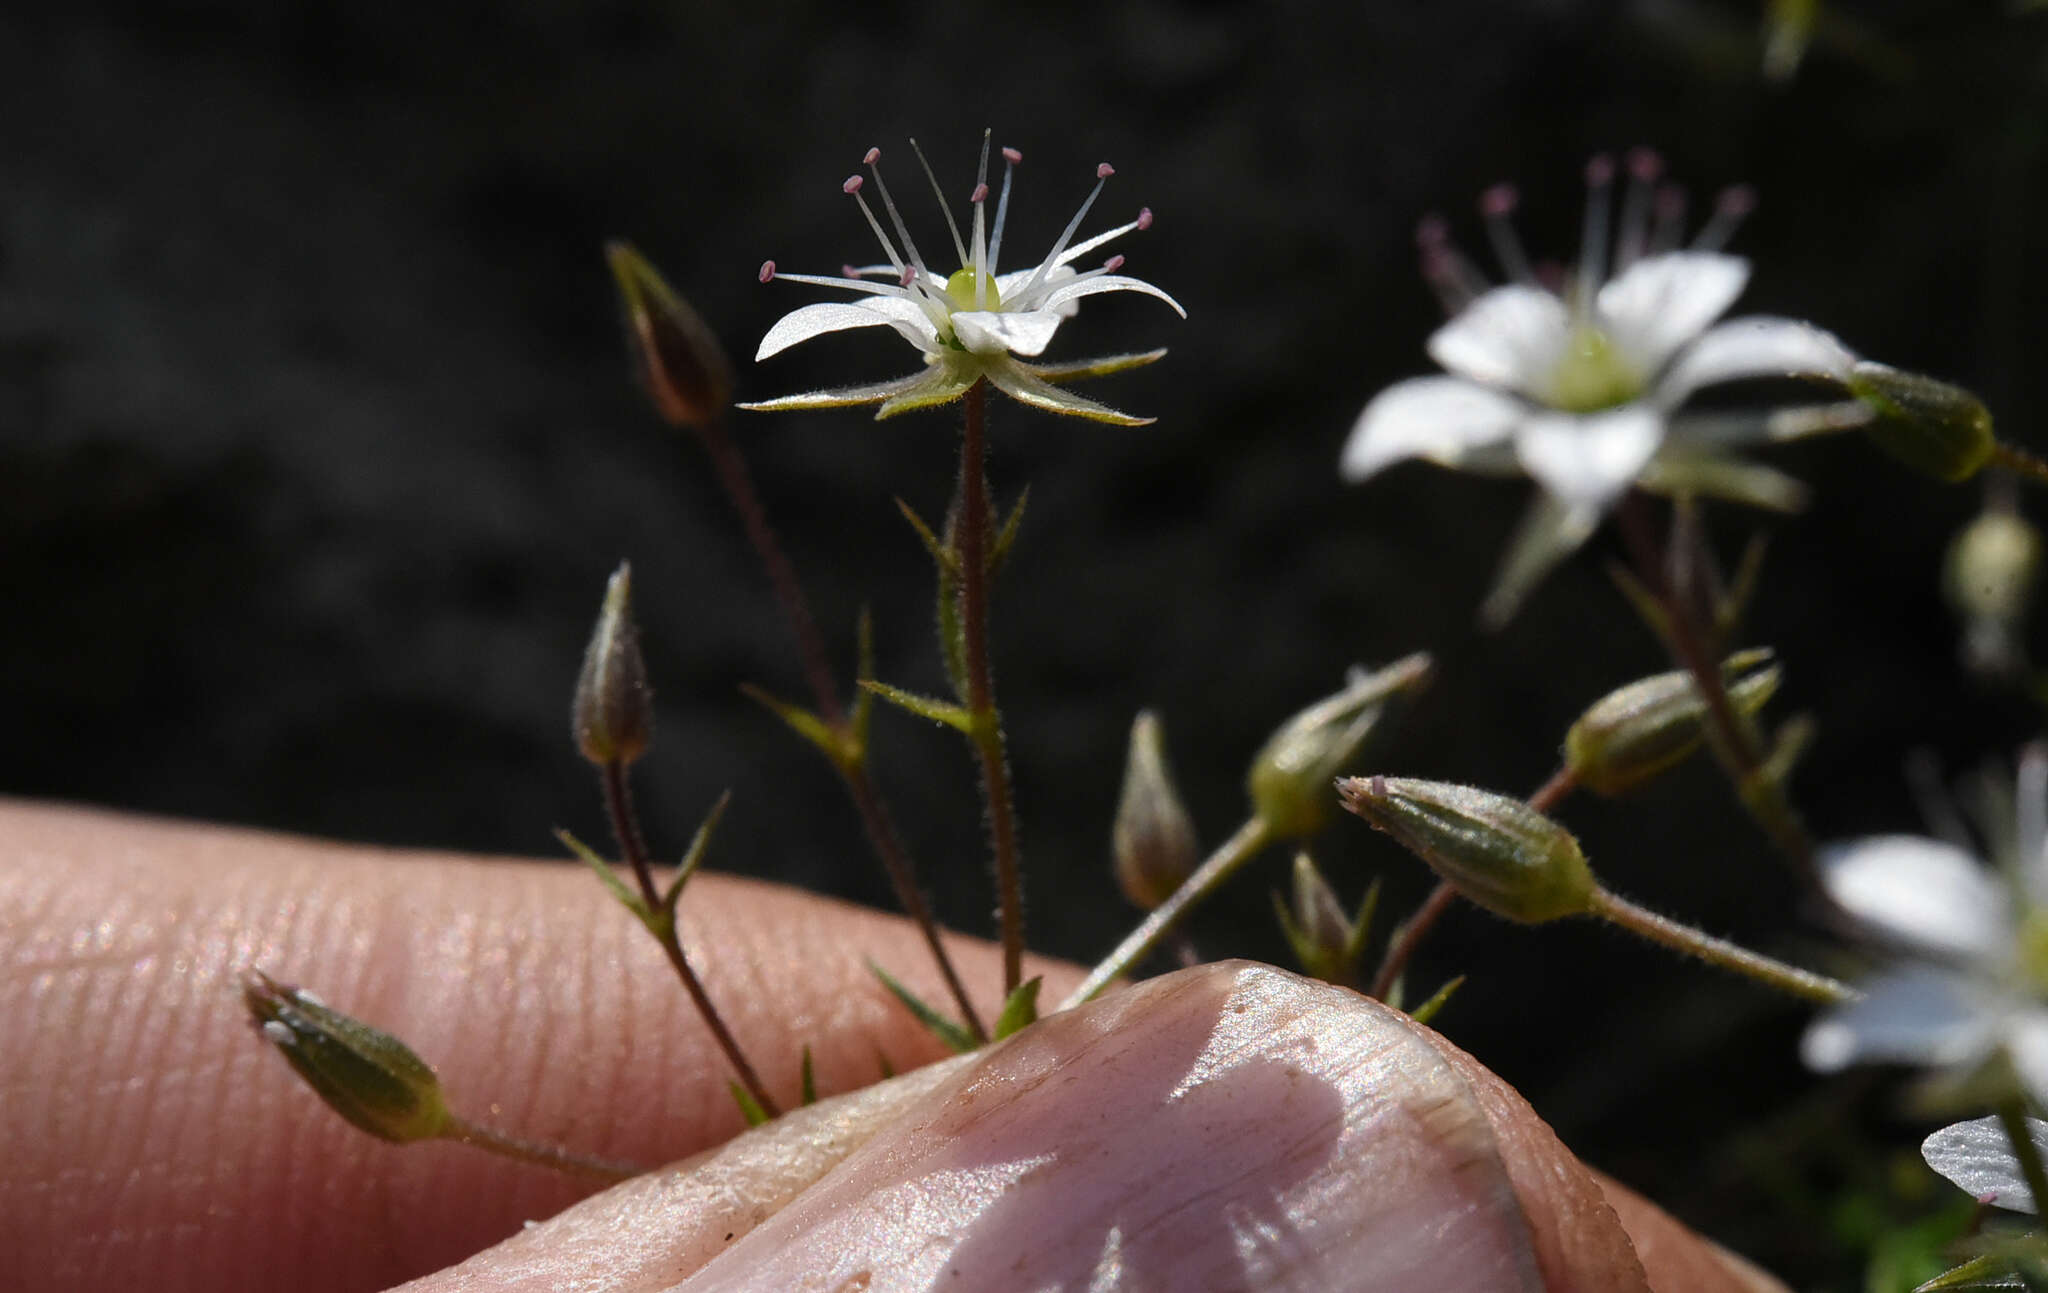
{"points": [[1969, 981], [971, 324], [1575, 378], [1977, 1156]]}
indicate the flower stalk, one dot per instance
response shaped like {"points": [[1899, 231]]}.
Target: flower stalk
{"points": [[1644, 923]]}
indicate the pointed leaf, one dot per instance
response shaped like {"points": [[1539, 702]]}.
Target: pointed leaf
{"points": [[999, 551], [804, 722], [938, 711], [1642, 599], [1297, 940], [808, 1092], [750, 1108], [694, 857], [956, 1038], [940, 553], [1431, 1008], [632, 902], [1021, 1010], [1990, 1271], [1735, 603], [1361, 924]]}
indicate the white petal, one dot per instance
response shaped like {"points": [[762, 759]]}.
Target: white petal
{"points": [[1552, 531], [1511, 336], [1065, 292], [1921, 891], [1977, 1156], [837, 316], [1438, 418], [1589, 461], [1917, 1015], [987, 332], [1754, 346], [1661, 302]]}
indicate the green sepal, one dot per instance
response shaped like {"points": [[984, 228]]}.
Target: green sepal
{"points": [[956, 1038], [1103, 367], [694, 858], [631, 901], [1021, 1010], [804, 722], [1788, 748], [750, 1108], [1988, 1271], [807, 1092], [1433, 1007], [946, 712], [999, 551]]}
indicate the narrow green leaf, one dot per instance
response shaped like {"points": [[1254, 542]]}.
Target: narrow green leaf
{"points": [[1361, 924], [750, 1108], [802, 721], [1431, 1008], [940, 553], [694, 858], [1734, 604], [888, 1070], [630, 900], [809, 1092], [1020, 1011], [938, 711], [1644, 602], [1297, 940], [999, 551], [956, 1038]]}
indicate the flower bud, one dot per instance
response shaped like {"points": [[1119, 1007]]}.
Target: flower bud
{"points": [[612, 716], [1630, 735], [675, 355], [1327, 943], [1152, 841], [368, 1077], [1992, 568], [1290, 778], [1498, 852], [1940, 430]]}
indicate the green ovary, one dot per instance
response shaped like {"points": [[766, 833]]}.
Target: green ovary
{"points": [[960, 291], [1591, 376]]}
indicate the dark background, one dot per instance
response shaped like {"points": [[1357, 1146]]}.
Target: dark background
{"points": [[316, 445]]}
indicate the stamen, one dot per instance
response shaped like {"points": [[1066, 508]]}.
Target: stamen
{"points": [[1144, 220], [1496, 205], [1592, 267], [768, 271], [1113, 264], [1102, 174], [980, 193], [852, 185], [1644, 168], [1730, 209], [1668, 226], [1454, 279], [873, 155], [852, 189], [1080, 249], [995, 240], [895, 216], [959, 247]]}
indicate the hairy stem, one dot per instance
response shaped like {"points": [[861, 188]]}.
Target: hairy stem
{"points": [[661, 922], [530, 1151], [987, 726], [1645, 923], [1401, 947], [1218, 867]]}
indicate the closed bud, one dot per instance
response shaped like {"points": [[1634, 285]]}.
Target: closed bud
{"points": [[1940, 430], [675, 354], [1290, 778], [368, 1077], [1496, 850], [1630, 735], [1327, 943], [1992, 568], [1152, 842], [612, 716]]}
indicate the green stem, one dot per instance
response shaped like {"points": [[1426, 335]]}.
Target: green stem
{"points": [[1644, 923], [2018, 461], [661, 922], [1401, 947], [528, 1151], [987, 730], [1232, 854], [2012, 1115]]}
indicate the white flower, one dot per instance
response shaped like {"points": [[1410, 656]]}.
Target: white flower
{"points": [[1977, 1155], [974, 323], [1970, 981], [1577, 383]]}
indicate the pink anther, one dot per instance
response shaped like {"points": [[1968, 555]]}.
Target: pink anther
{"points": [[1114, 263], [1432, 233], [852, 185], [980, 193], [1599, 171], [768, 271], [1737, 200], [909, 273], [1104, 171], [849, 271], [1499, 200], [1644, 164], [1012, 156], [873, 155], [1144, 217]]}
